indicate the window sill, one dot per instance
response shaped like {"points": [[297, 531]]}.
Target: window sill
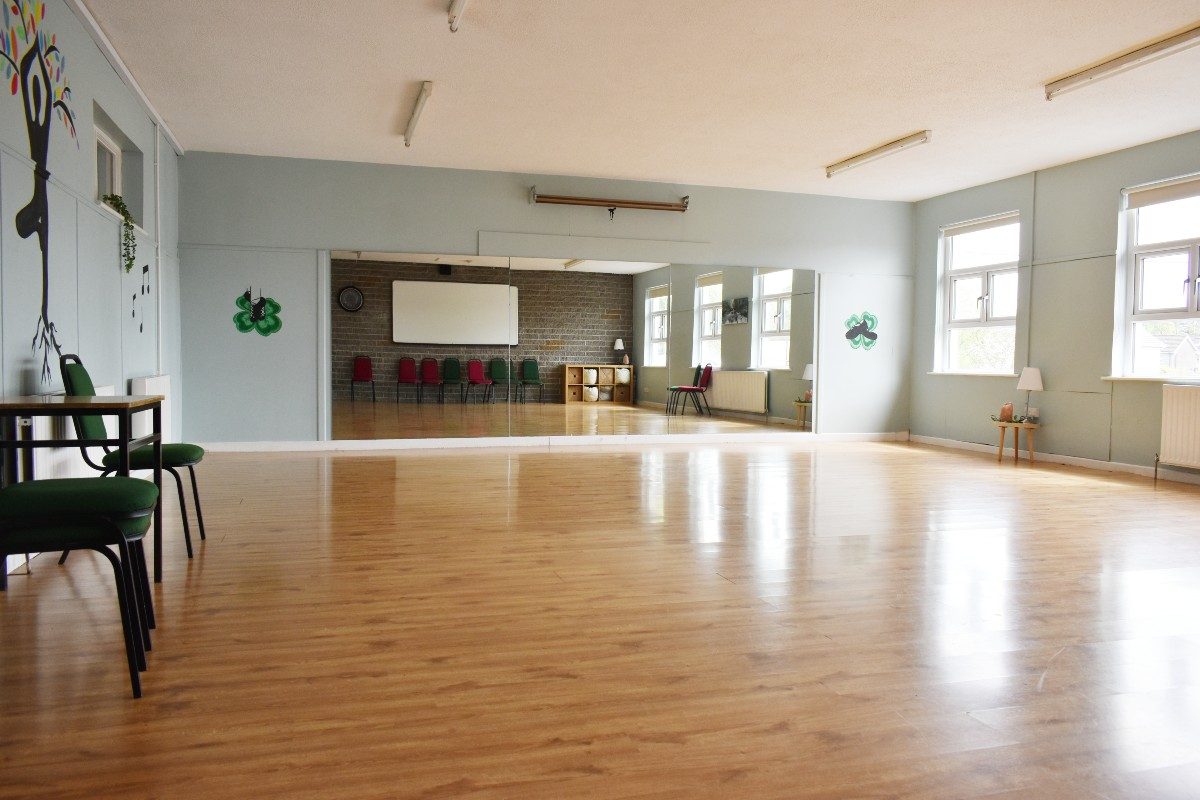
{"points": [[1146, 379], [112, 212], [975, 374]]}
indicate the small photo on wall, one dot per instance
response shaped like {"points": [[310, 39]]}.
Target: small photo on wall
{"points": [[735, 311]]}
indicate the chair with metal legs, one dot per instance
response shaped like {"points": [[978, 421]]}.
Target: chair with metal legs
{"points": [[175, 456], [94, 514]]}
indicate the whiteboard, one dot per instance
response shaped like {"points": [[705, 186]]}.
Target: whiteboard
{"points": [[440, 312]]}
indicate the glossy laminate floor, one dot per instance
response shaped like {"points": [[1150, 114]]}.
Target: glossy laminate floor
{"points": [[814, 621], [387, 419]]}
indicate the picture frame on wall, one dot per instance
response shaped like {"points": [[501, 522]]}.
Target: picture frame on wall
{"points": [[735, 311]]}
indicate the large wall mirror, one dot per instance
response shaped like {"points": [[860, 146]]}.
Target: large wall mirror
{"points": [[427, 346]]}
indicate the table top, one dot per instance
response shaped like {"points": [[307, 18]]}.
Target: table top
{"points": [[59, 402], [999, 424]]}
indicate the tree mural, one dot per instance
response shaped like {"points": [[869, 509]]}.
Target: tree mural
{"points": [[36, 69]]}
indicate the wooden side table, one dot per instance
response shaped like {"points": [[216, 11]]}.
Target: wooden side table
{"points": [[803, 409], [1017, 427]]}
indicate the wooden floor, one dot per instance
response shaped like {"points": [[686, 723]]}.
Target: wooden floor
{"points": [[819, 621], [387, 419]]}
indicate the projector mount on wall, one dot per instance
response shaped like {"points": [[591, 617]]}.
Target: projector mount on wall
{"points": [[604, 202]]}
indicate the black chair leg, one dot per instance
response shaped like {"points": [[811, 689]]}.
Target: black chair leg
{"points": [[131, 648], [707, 407], [187, 533], [372, 391], [196, 498], [63, 558], [143, 578], [351, 391]]}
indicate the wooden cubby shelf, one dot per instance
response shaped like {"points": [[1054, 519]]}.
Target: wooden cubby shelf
{"points": [[577, 379]]}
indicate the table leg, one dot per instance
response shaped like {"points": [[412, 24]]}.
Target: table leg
{"points": [[10, 456], [123, 436], [1000, 452], [156, 412], [1029, 444], [25, 434], [1016, 445]]}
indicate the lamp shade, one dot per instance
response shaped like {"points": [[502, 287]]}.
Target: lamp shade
{"points": [[1030, 380], [619, 344], [808, 373]]}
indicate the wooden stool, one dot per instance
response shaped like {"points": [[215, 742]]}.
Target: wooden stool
{"points": [[1017, 427]]}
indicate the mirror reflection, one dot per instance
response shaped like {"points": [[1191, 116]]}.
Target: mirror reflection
{"points": [[436, 346]]}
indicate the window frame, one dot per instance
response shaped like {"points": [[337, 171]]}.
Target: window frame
{"points": [[987, 273], [1133, 260], [648, 356], [699, 336], [761, 298], [103, 140]]}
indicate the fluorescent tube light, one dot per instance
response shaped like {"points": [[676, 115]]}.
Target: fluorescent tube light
{"points": [[422, 98], [457, 8], [878, 152], [1143, 55]]}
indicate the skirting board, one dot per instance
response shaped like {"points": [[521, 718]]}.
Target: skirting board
{"points": [[551, 442], [1164, 473]]}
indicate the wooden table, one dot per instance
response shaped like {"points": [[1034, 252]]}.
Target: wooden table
{"points": [[803, 409], [16, 415], [1017, 427]]}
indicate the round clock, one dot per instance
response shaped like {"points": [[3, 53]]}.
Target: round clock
{"points": [[350, 298]]}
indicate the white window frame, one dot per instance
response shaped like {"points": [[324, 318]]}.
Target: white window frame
{"points": [[109, 144], [1135, 255], [760, 319], [987, 273], [714, 332], [652, 293]]}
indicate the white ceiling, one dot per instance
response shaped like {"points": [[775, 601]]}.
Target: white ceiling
{"points": [[758, 94], [503, 262]]}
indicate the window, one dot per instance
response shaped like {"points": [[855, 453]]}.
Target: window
{"points": [[978, 295], [773, 323], [108, 166], [707, 344], [658, 325], [1162, 334]]}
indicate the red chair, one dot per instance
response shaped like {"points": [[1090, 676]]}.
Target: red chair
{"points": [[364, 372], [406, 375], [697, 392], [477, 377], [429, 377]]}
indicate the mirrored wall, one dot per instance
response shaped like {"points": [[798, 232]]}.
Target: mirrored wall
{"points": [[427, 346]]}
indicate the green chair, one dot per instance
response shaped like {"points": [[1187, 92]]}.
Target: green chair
{"points": [[498, 371], [77, 382], [66, 514], [531, 376], [674, 393], [452, 375]]}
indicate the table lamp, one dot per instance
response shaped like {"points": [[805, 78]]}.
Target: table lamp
{"points": [[1030, 381], [809, 374]]}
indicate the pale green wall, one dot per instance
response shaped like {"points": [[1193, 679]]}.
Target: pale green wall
{"points": [[232, 205], [91, 297], [1065, 325]]}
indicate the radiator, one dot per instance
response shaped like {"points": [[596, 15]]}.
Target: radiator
{"points": [[1180, 439], [739, 390], [143, 423]]}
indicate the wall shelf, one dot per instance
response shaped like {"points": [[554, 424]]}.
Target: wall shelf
{"points": [[577, 378]]}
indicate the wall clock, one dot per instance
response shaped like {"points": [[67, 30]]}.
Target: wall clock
{"points": [[350, 298]]}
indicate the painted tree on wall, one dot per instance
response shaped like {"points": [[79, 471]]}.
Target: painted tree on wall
{"points": [[36, 68]]}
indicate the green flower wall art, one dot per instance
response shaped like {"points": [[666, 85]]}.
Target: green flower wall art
{"points": [[260, 315], [860, 330]]}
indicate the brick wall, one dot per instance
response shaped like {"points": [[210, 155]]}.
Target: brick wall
{"points": [[564, 317]]}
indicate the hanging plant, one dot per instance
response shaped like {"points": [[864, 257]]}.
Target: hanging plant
{"points": [[128, 240]]}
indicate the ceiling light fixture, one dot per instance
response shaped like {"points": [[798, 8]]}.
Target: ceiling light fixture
{"points": [[602, 202], [879, 152], [422, 98], [457, 7], [1135, 58]]}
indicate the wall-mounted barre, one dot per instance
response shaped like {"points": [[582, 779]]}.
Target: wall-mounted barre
{"points": [[602, 202]]}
